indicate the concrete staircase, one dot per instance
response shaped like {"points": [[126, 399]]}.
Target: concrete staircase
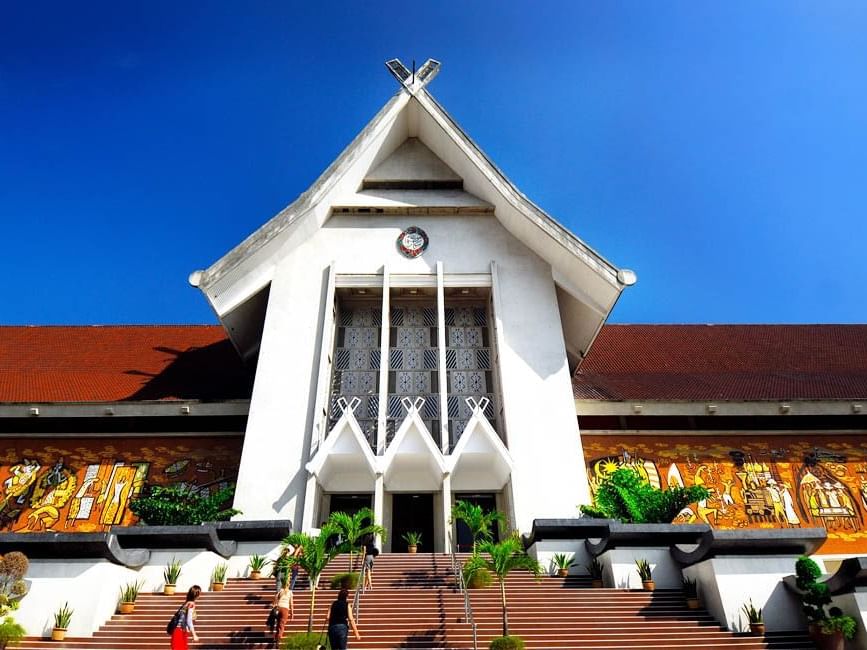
{"points": [[414, 605]]}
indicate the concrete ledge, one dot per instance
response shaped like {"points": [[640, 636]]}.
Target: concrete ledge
{"points": [[645, 536], [578, 528], [73, 546], [267, 530], [851, 575], [752, 541], [161, 537]]}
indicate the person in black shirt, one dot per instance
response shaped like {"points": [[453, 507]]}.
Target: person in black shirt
{"points": [[339, 621]]}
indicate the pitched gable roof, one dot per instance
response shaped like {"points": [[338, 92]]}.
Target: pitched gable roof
{"points": [[725, 362], [119, 363]]}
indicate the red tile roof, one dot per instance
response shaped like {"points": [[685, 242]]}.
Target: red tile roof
{"points": [[119, 363], [725, 362]]}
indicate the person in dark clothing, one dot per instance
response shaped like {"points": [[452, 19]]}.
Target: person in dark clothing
{"points": [[339, 621]]}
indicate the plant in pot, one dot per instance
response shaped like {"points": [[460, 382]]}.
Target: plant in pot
{"points": [[836, 629], [690, 592], [62, 618], [646, 574], [218, 577], [595, 571], [170, 575], [475, 573], [563, 562], [257, 563], [128, 594], [10, 632], [348, 580], [754, 616], [413, 540]]}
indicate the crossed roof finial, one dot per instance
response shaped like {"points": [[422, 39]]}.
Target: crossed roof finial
{"points": [[415, 80]]}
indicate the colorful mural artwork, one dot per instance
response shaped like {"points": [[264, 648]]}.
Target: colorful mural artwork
{"points": [[780, 481], [86, 484]]}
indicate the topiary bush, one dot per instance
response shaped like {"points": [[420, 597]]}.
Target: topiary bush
{"points": [[305, 641], [177, 505], [345, 581], [625, 496], [816, 595], [506, 643]]}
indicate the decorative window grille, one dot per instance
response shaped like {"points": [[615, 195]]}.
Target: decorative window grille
{"points": [[469, 365], [356, 366], [412, 365]]}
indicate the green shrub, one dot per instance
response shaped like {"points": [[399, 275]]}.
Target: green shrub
{"points": [[625, 496], [345, 581], [816, 595], [479, 579], [844, 624], [176, 505], [10, 631], [305, 641], [506, 643]]}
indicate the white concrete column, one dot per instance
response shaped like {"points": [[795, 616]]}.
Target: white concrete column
{"points": [[381, 430], [326, 352], [441, 356], [378, 503], [447, 512], [310, 494]]}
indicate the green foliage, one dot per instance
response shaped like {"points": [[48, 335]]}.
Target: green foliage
{"points": [[479, 522], [753, 615], [257, 562], [317, 554], [13, 568], [503, 558], [625, 496], [218, 575], [176, 505], [644, 570], [63, 616], [304, 641], [690, 588], [412, 538], [816, 595], [594, 569], [844, 624], [506, 643], [354, 529], [563, 560], [172, 572], [10, 631], [345, 581], [129, 592], [479, 579]]}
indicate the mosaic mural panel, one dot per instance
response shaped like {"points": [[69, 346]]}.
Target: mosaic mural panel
{"points": [[779, 481], [86, 484]]}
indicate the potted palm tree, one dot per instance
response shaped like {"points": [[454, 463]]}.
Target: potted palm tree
{"points": [[128, 594], [595, 571], [563, 562], [62, 618], [754, 616], [690, 592], [257, 563], [413, 541], [354, 529], [479, 522], [218, 577], [501, 559], [170, 575], [646, 574], [317, 553]]}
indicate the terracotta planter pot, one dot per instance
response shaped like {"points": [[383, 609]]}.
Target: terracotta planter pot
{"points": [[596, 583], [834, 641], [218, 586], [648, 585], [562, 573], [58, 634], [693, 603], [411, 549], [255, 575], [127, 608], [757, 629], [169, 590]]}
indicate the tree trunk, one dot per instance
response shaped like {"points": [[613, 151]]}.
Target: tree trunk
{"points": [[505, 613], [312, 606]]}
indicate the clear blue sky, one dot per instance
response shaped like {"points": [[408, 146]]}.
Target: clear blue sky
{"points": [[719, 149]]}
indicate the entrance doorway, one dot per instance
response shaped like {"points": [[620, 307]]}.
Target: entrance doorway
{"points": [[488, 503], [349, 503], [412, 512]]}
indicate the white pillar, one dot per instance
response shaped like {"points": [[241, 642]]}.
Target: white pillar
{"points": [[381, 429], [447, 512], [378, 498], [441, 355], [309, 504]]}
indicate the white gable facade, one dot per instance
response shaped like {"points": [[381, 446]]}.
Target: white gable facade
{"points": [[413, 319]]}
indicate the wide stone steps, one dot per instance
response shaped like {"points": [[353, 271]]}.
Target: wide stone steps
{"points": [[414, 605]]}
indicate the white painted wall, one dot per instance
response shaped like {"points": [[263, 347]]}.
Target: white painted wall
{"points": [[549, 476], [620, 570], [726, 583], [544, 552]]}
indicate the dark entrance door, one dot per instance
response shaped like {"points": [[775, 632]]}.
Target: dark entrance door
{"points": [[412, 512], [487, 502], [350, 503]]}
